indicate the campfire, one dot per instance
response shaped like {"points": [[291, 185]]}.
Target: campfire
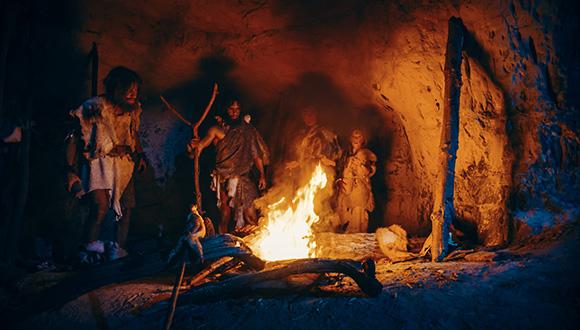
{"points": [[286, 229]]}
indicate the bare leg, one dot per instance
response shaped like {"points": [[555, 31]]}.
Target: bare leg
{"points": [[98, 211], [225, 213], [359, 222], [251, 216], [345, 223], [123, 227]]}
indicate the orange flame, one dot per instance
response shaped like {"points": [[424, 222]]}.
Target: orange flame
{"points": [[287, 230]]}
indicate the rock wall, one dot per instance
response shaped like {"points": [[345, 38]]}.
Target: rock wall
{"points": [[378, 65]]}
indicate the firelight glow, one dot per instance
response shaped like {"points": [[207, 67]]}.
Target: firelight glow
{"points": [[287, 230]]}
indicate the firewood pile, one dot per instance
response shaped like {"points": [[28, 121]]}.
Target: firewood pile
{"points": [[233, 268]]}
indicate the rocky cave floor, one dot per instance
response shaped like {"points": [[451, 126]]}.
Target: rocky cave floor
{"points": [[535, 285]]}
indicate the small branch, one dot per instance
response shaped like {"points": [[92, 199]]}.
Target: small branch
{"points": [[175, 112], [205, 112], [209, 269]]}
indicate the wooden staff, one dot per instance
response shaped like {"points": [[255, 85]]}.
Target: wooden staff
{"points": [[196, 155], [195, 128]]}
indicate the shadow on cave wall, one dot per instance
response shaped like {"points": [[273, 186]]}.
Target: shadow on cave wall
{"points": [[309, 19], [475, 51]]}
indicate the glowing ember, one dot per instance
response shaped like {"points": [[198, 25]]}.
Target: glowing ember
{"points": [[287, 229]]}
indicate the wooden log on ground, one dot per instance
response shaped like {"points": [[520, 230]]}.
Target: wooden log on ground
{"points": [[121, 270], [359, 246], [214, 266], [362, 273]]}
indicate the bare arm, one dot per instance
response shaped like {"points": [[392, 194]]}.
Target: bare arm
{"points": [[213, 133], [142, 161], [372, 164], [71, 162], [72, 142], [198, 145], [138, 146], [260, 166]]}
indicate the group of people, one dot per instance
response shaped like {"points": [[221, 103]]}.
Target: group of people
{"points": [[345, 204], [240, 148], [104, 151]]}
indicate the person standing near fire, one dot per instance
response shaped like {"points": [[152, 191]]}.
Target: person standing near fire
{"points": [[355, 196], [101, 156], [313, 145], [239, 147]]}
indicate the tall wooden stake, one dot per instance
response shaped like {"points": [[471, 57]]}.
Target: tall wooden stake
{"points": [[443, 210]]}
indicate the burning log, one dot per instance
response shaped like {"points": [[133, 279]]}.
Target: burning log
{"points": [[359, 246], [362, 273]]}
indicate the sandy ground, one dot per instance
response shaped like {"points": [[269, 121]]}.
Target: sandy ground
{"points": [[536, 286]]}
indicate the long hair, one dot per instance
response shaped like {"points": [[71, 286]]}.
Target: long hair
{"points": [[118, 81]]}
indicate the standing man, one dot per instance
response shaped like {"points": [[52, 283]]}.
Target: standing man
{"points": [[313, 144], [239, 147], [355, 195], [316, 144], [101, 156]]}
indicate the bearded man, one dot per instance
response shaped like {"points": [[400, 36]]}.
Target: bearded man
{"points": [[101, 157], [239, 147]]}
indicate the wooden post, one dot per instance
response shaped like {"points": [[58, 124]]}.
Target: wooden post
{"points": [[443, 209]]}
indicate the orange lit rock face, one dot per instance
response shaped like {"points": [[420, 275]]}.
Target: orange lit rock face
{"points": [[359, 62], [484, 157]]}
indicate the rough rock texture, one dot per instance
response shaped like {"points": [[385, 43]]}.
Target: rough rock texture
{"points": [[378, 65], [482, 183]]}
